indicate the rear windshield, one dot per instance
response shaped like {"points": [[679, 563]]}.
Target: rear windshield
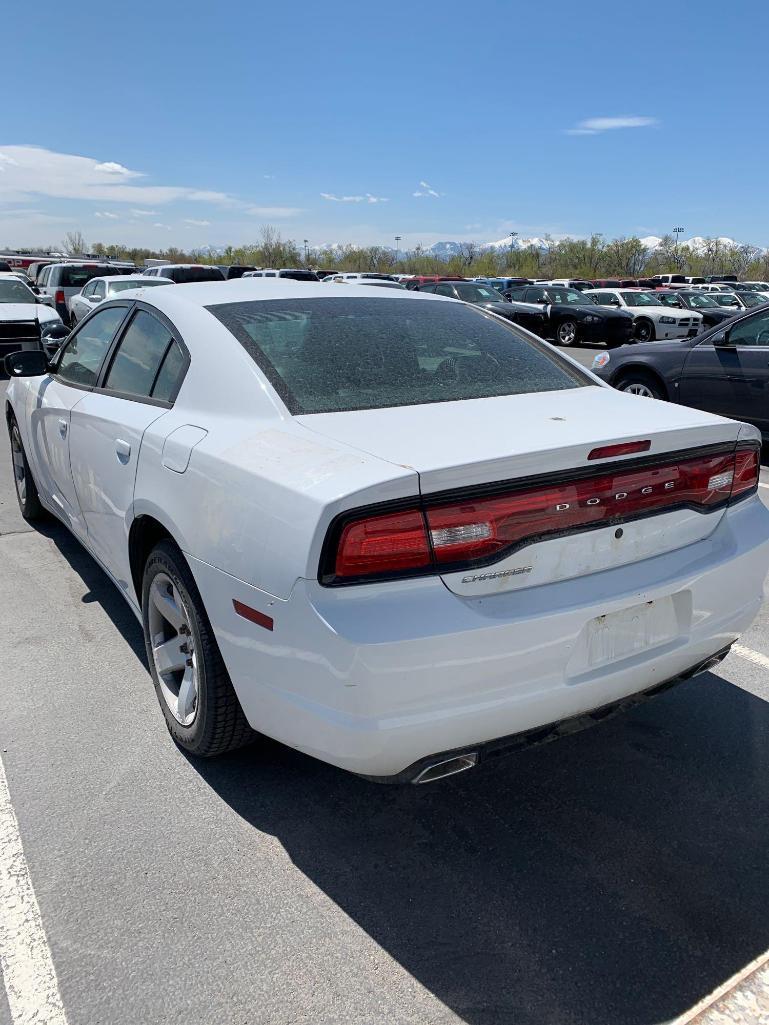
{"points": [[339, 354], [76, 277], [188, 275]]}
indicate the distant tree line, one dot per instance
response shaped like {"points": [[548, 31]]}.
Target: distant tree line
{"points": [[593, 257]]}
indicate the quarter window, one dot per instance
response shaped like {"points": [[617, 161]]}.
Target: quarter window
{"points": [[754, 331], [445, 290], [84, 353], [139, 356]]}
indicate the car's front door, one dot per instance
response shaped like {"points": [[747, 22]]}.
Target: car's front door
{"points": [[137, 386], [732, 379], [76, 371]]}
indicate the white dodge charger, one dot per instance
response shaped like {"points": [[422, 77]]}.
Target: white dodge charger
{"points": [[393, 531]]}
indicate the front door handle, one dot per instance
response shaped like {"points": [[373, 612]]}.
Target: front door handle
{"points": [[123, 450], [63, 427]]}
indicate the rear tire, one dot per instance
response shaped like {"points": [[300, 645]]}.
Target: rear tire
{"points": [[24, 483], [196, 696], [644, 330], [636, 382]]}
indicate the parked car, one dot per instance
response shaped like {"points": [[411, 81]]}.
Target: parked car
{"points": [[571, 316], [734, 302], [374, 282], [184, 273], [292, 273], [705, 304], [25, 321], [392, 531], [235, 270], [490, 299], [418, 280], [100, 289], [61, 281], [361, 276], [724, 371], [652, 318], [579, 283]]}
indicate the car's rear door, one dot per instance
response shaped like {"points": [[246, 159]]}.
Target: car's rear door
{"points": [[76, 372], [732, 380], [138, 385]]}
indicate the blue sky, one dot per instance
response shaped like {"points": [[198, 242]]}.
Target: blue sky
{"points": [[195, 123]]}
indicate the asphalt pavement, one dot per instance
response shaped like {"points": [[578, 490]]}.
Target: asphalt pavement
{"points": [[612, 878]]}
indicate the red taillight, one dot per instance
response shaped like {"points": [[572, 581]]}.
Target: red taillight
{"points": [[59, 296], [383, 545], [626, 448], [481, 528], [746, 471]]}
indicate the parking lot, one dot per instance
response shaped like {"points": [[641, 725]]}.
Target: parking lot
{"points": [[618, 875]]}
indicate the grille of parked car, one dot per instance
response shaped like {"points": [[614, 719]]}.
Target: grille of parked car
{"points": [[17, 334]]}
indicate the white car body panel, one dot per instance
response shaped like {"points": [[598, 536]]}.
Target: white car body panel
{"points": [[376, 676]]}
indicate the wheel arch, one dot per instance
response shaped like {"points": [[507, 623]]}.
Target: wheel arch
{"points": [[641, 369], [146, 530]]}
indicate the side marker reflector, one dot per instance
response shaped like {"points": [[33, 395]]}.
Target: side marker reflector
{"points": [[252, 615]]}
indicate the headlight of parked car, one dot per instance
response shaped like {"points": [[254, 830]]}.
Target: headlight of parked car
{"points": [[667, 320], [601, 360]]}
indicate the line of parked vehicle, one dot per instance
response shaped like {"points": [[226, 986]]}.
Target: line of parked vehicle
{"points": [[567, 311]]}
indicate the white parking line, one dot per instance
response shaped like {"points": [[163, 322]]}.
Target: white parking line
{"points": [[764, 486], [752, 656], [25, 957]]}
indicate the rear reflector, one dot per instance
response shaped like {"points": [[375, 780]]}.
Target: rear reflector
{"points": [[627, 448], [476, 529], [252, 615]]}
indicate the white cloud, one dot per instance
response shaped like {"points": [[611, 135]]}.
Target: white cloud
{"points": [[144, 213], [428, 190], [268, 176], [108, 215], [157, 224], [35, 171], [368, 198], [595, 125], [274, 211], [196, 224]]}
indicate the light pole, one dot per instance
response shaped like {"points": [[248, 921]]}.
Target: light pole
{"points": [[513, 237], [397, 240], [306, 253], [678, 232]]}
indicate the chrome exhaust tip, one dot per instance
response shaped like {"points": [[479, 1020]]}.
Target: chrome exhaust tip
{"points": [[708, 664], [447, 767]]}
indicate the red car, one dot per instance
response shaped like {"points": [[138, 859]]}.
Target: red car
{"points": [[424, 279]]}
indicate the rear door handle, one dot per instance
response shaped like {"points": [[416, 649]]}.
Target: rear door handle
{"points": [[63, 427], [123, 450]]}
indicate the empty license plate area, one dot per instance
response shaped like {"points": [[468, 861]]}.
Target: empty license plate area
{"points": [[637, 630]]}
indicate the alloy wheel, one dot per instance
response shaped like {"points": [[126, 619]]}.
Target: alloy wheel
{"points": [[638, 388], [567, 332], [19, 465], [173, 649]]}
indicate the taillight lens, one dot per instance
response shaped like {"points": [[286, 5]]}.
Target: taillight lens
{"points": [[59, 296], [479, 529], [383, 545]]}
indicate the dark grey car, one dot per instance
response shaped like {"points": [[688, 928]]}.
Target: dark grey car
{"points": [[724, 371]]}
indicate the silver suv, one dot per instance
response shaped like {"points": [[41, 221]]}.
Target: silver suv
{"points": [[63, 280]]}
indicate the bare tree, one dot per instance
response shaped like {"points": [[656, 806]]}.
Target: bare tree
{"points": [[467, 252], [74, 243]]}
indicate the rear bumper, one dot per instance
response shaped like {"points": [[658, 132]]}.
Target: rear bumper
{"points": [[378, 677]]}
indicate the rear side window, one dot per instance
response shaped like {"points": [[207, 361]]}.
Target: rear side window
{"points": [[326, 355], [84, 353], [139, 356]]}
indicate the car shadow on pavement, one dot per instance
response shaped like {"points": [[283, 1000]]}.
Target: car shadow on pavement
{"points": [[615, 876], [100, 587]]}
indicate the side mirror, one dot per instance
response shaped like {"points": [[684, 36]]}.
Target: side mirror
{"points": [[92, 298], [721, 341], [32, 363]]}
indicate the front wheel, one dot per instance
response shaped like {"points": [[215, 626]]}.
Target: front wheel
{"points": [[641, 384], [26, 489], [198, 702], [566, 332], [644, 330]]}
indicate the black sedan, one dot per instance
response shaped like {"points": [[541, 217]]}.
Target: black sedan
{"points": [[724, 371], [490, 299], [713, 313], [572, 317]]}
